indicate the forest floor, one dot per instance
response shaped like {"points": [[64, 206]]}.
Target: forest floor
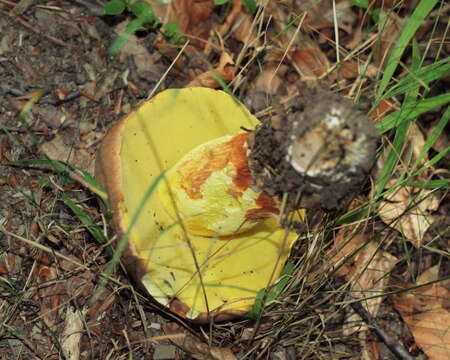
{"points": [[61, 89]]}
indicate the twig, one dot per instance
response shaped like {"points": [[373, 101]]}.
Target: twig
{"points": [[34, 29], [392, 342], [7, 2]]}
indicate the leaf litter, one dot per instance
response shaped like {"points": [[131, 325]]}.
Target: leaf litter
{"points": [[229, 40], [426, 310]]}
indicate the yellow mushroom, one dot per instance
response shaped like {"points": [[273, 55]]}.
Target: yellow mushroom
{"points": [[204, 243]]}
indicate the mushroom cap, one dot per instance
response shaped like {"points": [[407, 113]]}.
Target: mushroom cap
{"points": [[227, 272]]}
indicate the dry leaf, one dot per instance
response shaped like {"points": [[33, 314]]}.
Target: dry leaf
{"points": [[192, 16], [315, 11], [73, 329], [417, 142], [225, 71], [49, 293], [104, 301], [409, 212], [426, 312], [311, 62], [408, 209], [196, 348], [160, 8], [390, 28], [56, 149], [137, 51], [384, 108], [243, 30], [349, 69], [235, 11], [270, 82], [366, 271], [52, 116]]}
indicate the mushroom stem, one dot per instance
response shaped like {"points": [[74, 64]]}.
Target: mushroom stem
{"points": [[319, 152]]}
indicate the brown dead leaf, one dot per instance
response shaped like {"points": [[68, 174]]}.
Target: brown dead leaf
{"points": [[49, 294], [427, 315], [390, 28], [275, 84], [235, 11], [104, 301], [193, 17], [409, 211], [366, 268], [57, 149], [270, 80], [239, 21], [243, 30], [159, 7], [357, 37], [417, 142], [134, 49], [225, 70], [196, 348], [315, 10], [388, 4], [349, 69], [384, 108], [50, 115], [310, 62]]}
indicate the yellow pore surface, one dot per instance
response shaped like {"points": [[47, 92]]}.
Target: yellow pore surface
{"points": [[233, 268], [210, 190]]}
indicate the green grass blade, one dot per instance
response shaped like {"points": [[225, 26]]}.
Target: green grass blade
{"points": [[414, 22], [262, 297], [438, 157], [431, 139], [251, 6], [85, 219], [393, 157], [410, 111], [56, 165], [401, 132], [431, 184], [423, 76], [62, 167]]}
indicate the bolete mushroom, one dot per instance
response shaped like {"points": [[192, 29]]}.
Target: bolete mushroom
{"points": [[209, 236], [205, 243]]}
